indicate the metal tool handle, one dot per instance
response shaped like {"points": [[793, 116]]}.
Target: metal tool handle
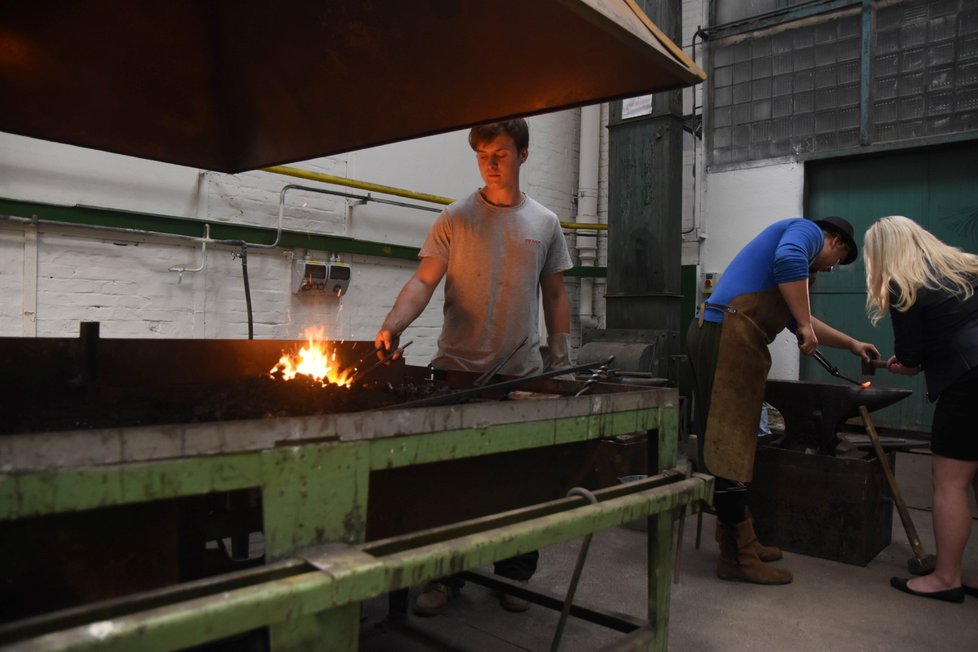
{"points": [[918, 549], [832, 369], [460, 395], [387, 358], [822, 360], [486, 377]]}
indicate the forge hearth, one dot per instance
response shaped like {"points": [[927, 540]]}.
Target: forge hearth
{"points": [[86, 383], [109, 405], [229, 456]]}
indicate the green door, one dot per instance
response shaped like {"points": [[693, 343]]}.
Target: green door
{"points": [[937, 187]]}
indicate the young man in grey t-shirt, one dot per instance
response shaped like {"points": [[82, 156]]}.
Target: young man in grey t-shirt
{"points": [[495, 249]]}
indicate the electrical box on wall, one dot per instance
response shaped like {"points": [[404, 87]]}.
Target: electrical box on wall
{"points": [[710, 280], [320, 277]]}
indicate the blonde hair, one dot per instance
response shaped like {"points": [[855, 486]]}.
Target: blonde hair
{"points": [[902, 257]]}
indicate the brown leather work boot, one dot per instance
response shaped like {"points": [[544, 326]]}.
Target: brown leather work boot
{"points": [[764, 553], [739, 560], [433, 599]]}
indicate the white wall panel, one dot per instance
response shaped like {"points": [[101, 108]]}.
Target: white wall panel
{"points": [[737, 205]]}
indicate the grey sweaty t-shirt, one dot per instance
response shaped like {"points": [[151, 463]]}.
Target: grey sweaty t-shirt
{"points": [[496, 257]]}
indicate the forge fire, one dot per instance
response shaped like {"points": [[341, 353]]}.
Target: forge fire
{"points": [[317, 360]]}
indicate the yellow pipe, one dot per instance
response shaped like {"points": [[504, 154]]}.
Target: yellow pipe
{"points": [[391, 190], [362, 185], [586, 226]]}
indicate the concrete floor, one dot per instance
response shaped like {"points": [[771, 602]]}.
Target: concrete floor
{"points": [[830, 606]]}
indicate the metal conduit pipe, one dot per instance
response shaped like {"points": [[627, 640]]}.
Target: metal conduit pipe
{"points": [[353, 183], [391, 190], [587, 207]]}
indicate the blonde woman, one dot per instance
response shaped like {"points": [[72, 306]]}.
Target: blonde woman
{"points": [[928, 289]]}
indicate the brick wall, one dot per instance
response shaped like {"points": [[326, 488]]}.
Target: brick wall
{"points": [[122, 280]]}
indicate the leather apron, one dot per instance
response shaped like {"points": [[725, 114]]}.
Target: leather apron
{"points": [[751, 321]]}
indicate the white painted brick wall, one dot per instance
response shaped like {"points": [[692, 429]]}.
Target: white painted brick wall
{"points": [[11, 279], [122, 280]]}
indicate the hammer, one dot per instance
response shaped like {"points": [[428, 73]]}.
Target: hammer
{"points": [[869, 368], [919, 564]]}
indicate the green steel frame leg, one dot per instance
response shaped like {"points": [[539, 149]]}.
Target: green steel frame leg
{"points": [[660, 556], [327, 501]]}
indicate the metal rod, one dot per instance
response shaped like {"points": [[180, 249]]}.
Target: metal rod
{"points": [[601, 372], [183, 621], [461, 395], [832, 369], [481, 380], [613, 620], [363, 360], [387, 358], [575, 578]]}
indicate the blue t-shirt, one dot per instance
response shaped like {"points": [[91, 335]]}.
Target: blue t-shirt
{"points": [[781, 253]]}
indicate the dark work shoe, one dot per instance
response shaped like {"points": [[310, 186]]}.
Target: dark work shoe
{"points": [[950, 595], [433, 599], [513, 603]]}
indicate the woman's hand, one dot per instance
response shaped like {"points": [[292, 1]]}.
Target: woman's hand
{"points": [[894, 366], [865, 350]]}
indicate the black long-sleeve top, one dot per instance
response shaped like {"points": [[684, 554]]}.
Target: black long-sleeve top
{"points": [[940, 333]]}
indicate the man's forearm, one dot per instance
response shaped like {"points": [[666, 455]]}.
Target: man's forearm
{"points": [[556, 305], [830, 336], [557, 317], [795, 294], [410, 303]]}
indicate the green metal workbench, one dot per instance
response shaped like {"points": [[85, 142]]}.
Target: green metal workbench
{"points": [[314, 475]]}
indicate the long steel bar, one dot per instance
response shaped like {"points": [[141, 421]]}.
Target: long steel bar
{"points": [[353, 576], [617, 621], [110, 609], [474, 392]]}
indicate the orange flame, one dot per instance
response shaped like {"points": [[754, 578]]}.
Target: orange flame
{"points": [[317, 361], [866, 384]]}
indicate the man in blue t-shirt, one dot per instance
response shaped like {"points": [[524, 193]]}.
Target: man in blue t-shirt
{"points": [[763, 291]]}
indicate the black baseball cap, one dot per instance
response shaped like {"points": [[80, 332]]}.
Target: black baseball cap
{"points": [[843, 229]]}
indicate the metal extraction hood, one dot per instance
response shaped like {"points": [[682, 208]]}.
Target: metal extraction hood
{"points": [[232, 85]]}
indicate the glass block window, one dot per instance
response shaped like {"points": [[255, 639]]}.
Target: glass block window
{"points": [[786, 91], [727, 11], [925, 69], [794, 90]]}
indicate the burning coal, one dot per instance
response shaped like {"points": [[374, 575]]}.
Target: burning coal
{"points": [[317, 361]]}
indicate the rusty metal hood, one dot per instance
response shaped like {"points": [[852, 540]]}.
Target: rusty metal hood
{"points": [[231, 86]]}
